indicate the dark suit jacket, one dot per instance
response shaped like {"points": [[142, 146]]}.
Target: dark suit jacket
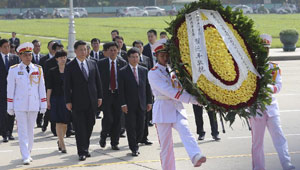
{"points": [[148, 52], [33, 59], [82, 93], [12, 60], [100, 55], [16, 42], [43, 61], [132, 94], [103, 66], [124, 48], [124, 55], [146, 62]]}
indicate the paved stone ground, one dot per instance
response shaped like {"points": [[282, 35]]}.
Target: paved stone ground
{"points": [[232, 152]]}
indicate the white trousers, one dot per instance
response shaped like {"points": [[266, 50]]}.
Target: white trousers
{"points": [[25, 123], [164, 131], [258, 125]]}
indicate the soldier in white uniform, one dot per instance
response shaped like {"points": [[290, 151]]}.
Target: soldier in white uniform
{"points": [[270, 119], [168, 112], [26, 96]]}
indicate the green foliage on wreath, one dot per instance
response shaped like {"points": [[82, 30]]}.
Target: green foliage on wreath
{"points": [[245, 28]]}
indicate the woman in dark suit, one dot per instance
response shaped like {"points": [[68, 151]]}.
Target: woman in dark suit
{"points": [[55, 98]]}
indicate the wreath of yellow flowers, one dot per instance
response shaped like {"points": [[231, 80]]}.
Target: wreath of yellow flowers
{"points": [[253, 92]]}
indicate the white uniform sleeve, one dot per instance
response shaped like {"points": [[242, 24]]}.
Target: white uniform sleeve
{"points": [[278, 82], [42, 91], [11, 83], [159, 84]]}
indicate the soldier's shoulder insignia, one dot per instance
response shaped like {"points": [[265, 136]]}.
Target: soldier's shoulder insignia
{"points": [[154, 68], [14, 66], [38, 65]]}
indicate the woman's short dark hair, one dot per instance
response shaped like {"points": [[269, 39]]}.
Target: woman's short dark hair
{"points": [[61, 53]]}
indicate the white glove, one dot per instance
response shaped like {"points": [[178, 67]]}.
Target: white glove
{"points": [[193, 100], [42, 111], [11, 112]]}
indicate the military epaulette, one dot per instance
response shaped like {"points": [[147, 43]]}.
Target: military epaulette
{"points": [[38, 65], [154, 68], [13, 66]]}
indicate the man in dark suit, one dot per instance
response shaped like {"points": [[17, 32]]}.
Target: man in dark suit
{"points": [[152, 37], [136, 98], [83, 93], [96, 53], [14, 39], [109, 69], [43, 64], [121, 53], [115, 33], [36, 57], [144, 60], [6, 60]]}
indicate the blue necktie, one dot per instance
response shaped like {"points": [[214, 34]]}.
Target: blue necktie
{"points": [[6, 63], [37, 59], [84, 72]]}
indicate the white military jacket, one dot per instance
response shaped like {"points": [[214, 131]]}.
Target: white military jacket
{"points": [[26, 91], [273, 108], [168, 95]]}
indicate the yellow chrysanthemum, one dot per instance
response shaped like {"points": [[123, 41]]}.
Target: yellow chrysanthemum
{"points": [[222, 64]]}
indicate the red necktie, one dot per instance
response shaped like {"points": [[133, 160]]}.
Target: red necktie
{"points": [[112, 76]]}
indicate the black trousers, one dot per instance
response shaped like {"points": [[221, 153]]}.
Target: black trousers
{"points": [[111, 122], [135, 123], [83, 123], [146, 125], [6, 124], [198, 111], [47, 119]]}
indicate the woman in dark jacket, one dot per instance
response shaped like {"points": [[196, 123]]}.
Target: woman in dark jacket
{"points": [[55, 98]]}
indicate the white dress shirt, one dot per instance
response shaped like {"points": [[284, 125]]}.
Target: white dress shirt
{"points": [[116, 73], [95, 54], [85, 66], [50, 55], [36, 56]]}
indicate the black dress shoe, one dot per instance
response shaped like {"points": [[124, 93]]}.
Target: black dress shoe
{"points": [[44, 129], [63, 151], [82, 157], [102, 143], [146, 142], [150, 124], [201, 137], [39, 125], [88, 155], [5, 139], [135, 153], [216, 137], [115, 147], [11, 137]]}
